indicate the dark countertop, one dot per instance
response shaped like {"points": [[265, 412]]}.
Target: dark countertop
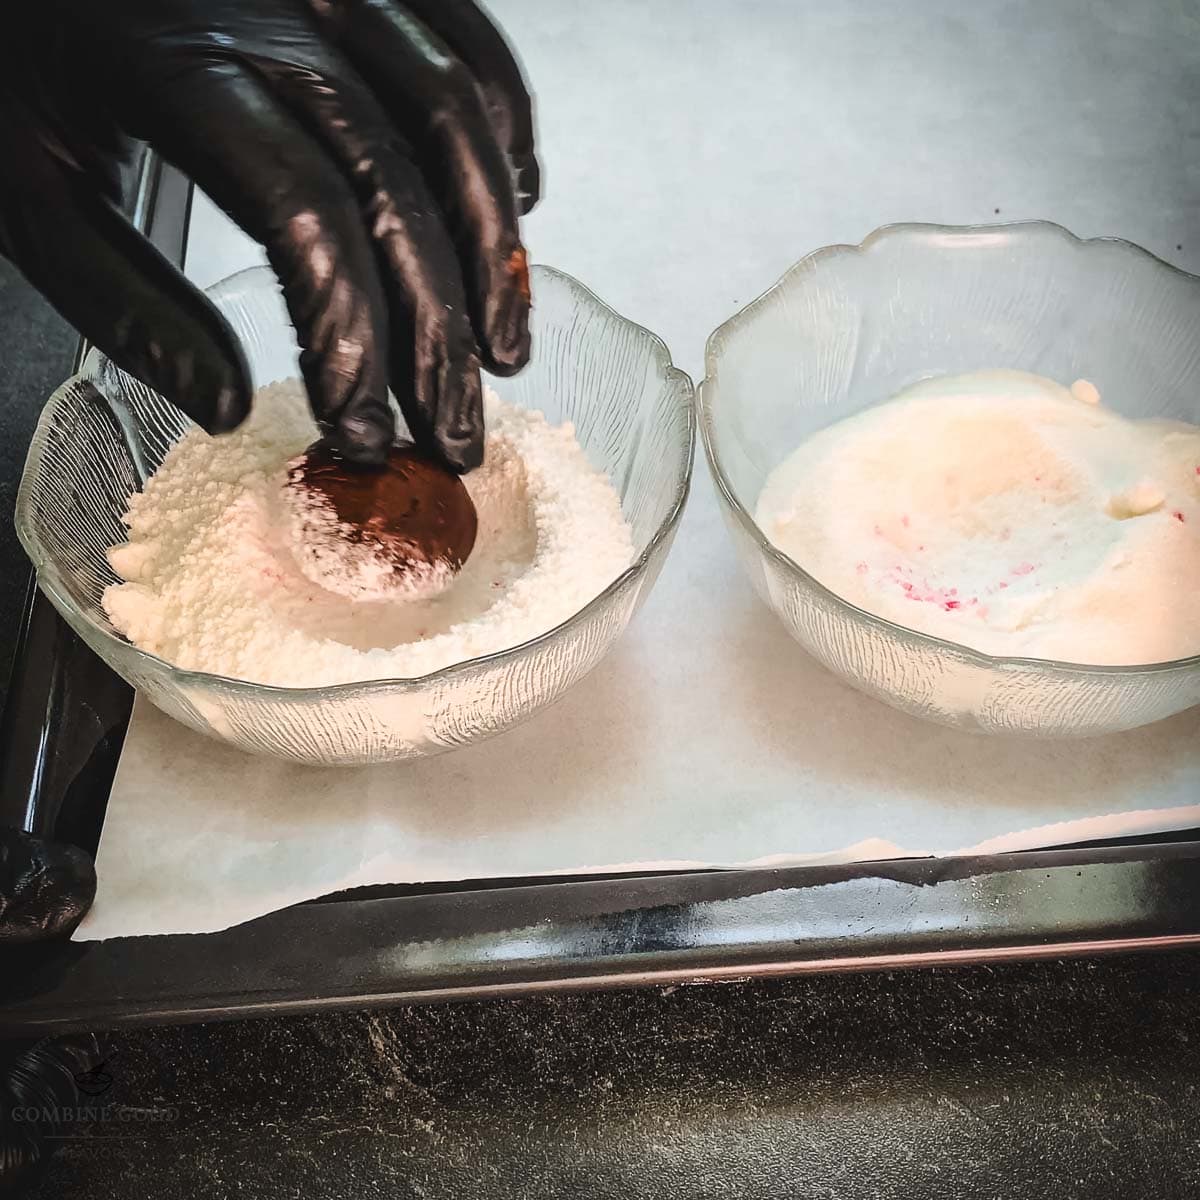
{"points": [[37, 348], [1065, 1079]]}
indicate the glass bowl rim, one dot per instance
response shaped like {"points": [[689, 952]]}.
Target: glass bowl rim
{"points": [[48, 575], [745, 316]]}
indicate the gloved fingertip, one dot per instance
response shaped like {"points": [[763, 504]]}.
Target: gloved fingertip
{"points": [[212, 384], [230, 404], [512, 359], [364, 438], [459, 434], [507, 335], [461, 454]]}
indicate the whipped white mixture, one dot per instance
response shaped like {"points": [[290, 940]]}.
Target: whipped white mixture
{"points": [[212, 582], [1005, 512]]}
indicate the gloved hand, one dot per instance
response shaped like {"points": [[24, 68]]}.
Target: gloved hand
{"points": [[40, 1086], [379, 150], [45, 888]]}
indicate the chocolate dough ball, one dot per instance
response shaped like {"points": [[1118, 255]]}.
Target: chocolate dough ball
{"points": [[402, 531]]}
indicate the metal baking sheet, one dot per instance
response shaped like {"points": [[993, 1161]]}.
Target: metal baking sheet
{"points": [[60, 740]]}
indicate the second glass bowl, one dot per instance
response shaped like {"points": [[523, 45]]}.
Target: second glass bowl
{"points": [[847, 328]]}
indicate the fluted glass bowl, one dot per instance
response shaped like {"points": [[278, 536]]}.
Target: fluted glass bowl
{"points": [[849, 326], [102, 433]]}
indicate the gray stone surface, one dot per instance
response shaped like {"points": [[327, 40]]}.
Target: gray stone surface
{"points": [[1075, 1080]]}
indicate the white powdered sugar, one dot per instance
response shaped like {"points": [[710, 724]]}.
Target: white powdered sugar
{"points": [[212, 582]]}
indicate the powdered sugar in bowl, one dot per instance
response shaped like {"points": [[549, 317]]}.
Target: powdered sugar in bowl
{"points": [[102, 434]]}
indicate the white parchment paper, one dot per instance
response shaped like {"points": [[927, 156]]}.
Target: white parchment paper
{"points": [[707, 738], [694, 149]]}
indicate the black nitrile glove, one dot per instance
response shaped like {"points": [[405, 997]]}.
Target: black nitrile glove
{"points": [[41, 1086], [375, 148], [45, 889]]}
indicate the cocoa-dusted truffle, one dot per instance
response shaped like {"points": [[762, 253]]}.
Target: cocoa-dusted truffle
{"points": [[400, 531]]}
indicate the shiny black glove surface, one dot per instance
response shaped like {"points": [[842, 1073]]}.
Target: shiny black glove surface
{"points": [[45, 889], [40, 1088], [379, 150]]}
